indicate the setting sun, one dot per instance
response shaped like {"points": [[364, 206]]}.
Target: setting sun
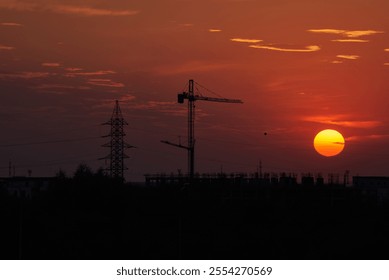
{"points": [[329, 143]]}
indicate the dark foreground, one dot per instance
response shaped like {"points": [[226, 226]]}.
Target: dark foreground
{"points": [[101, 220]]}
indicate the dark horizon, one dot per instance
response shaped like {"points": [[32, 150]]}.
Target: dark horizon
{"points": [[91, 216]]}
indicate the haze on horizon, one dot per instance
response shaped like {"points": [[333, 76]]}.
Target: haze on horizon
{"points": [[299, 66]]}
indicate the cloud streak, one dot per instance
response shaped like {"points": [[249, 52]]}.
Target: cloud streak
{"points": [[88, 11], [350, 57], [367, 137], [24, 75], [312, 48], [105, 83], [339, 120], [190, 67], [11, 24], [6, 48], [75, 73], [214, 30], [351, 41], [51, 64], [63, 9], [242, 40], [73, 69], [346, 33]]}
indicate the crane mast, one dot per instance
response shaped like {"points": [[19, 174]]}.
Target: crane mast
{"points": [[190, 95]]}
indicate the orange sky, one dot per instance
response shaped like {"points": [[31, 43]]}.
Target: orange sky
{"points": [[299, 66]]}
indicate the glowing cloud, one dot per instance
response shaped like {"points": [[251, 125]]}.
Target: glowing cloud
{"points": [[346, 33], [351, 57], [190, 67], [241, 40], [386, 50], [105, 83], [386, 63], [307, 49], [51, 64], [96, 73], [359, 33], [336, 62], [337, 120], [327, 31], [6, 48], [64, 9], [87, 11], [24, 75], [351, 41], [364, 137], [54, 86], [214, 30], [73, 69], [11, 24]]}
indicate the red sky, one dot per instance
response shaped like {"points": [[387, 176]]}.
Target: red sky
{"points": [[299, 66]]}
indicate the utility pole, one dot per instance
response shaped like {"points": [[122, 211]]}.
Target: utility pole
{"points": [[117, 143], [192, 97]]}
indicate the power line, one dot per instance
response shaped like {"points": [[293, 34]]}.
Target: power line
{"points": [[48, 142]]}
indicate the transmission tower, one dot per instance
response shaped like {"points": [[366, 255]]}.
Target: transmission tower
{"points": [[117, 144]]}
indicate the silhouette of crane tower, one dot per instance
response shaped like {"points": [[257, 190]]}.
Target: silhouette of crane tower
{"points": [[192, 97], [117, 143]]}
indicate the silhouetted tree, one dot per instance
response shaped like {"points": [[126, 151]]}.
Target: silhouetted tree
{"points": [[83, 172], [61, 175]]}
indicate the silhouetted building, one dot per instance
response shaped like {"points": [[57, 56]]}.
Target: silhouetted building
{"points": [[373, 185], [25, 186]]}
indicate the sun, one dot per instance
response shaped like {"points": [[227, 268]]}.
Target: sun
{"points": [[329, 143]]}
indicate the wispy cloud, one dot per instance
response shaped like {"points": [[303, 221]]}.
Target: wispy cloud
{"points": [[75, 73], [64, 9], [190, 67], [51, 64], [6, 48], [386, 63], [359, 33], [336, 61], [367, 137], [24, 75], [351, 56], [214, 30], [88, 11], [346, 33], [327, 31], [73, 69], [351, 41], [127, 97], [105, 83], [387, 50], [54, 86], [165, 107], [242, 40], [186, 24], [342, 120], [306, 49], [11, 24]]}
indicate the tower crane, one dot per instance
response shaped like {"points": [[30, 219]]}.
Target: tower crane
{"points": [[192, 97]]}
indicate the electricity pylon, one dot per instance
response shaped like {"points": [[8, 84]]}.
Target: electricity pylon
{"points": [[117, 143]]}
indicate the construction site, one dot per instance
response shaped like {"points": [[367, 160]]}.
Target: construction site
{"points": [[192, 215]]}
